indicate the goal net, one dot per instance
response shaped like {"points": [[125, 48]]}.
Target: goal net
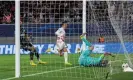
{"points": [[108, 28], [120, 15], [112, 20], [108, 25]]}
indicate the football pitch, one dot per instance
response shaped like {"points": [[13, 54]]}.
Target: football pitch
{"points": [[56, 70]]}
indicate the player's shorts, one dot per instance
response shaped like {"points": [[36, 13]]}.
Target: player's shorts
{"points": [[26, 45], [89, 61], [61, 45]]}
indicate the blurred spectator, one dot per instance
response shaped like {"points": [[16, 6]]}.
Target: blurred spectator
{"points": [[7, 10], [7, 18], [51, 17], [41, 17]]}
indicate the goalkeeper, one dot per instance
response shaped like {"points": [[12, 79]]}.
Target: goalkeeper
{"points": [[26, 45], [86, 60]]}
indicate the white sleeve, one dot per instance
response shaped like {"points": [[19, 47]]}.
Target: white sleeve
{"points": [[58, 32]]}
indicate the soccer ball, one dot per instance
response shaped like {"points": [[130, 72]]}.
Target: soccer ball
{"points": [[124, 65], [126, 68]]}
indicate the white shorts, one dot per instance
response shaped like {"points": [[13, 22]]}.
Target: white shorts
{"points": [[61, 45]]}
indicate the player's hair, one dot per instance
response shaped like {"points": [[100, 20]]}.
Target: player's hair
{"points": [[65, 22]]}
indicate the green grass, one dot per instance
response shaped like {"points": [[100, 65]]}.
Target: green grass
{"points": [[56, 70]]}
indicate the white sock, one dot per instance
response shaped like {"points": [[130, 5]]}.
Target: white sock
{"points": [[39, 59], [66, 57]]}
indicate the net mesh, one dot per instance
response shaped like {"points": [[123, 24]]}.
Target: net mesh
{"points": [[41, 19], [112, 20], [108, 20], [108, 26], [120, 14]]}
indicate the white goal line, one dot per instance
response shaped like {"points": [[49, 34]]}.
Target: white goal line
{"points": [[41, 73]]}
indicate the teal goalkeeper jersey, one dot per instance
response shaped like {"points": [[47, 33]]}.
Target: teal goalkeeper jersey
{"points": [[85, 59], [85, 53]]}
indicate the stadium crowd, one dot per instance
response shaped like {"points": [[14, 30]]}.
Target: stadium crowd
{"points": [[46, 11], [51, 11], [7, 12]]}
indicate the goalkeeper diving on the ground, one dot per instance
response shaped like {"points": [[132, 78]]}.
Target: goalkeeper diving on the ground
{"points": [[86, 60]]}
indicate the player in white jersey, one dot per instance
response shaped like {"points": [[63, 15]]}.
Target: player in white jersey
{"points": [[60, 43]]}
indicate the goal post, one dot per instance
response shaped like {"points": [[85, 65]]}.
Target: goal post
{"points": [[84, 20], [17, 38]]}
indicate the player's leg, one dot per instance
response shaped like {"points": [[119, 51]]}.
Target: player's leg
{"points": [[49, 51], [60, 52], [33, 51], [31, 56], [104, 63], [25, 47], [109, 54], [37, 55], [60, 48], [103, 55], [66, 56], [84, 40], [100, 61]]}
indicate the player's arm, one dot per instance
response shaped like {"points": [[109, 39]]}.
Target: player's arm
{"points": [[57, 33]]}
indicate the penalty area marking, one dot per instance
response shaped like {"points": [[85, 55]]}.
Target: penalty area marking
{"points": [[41, 73]]}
